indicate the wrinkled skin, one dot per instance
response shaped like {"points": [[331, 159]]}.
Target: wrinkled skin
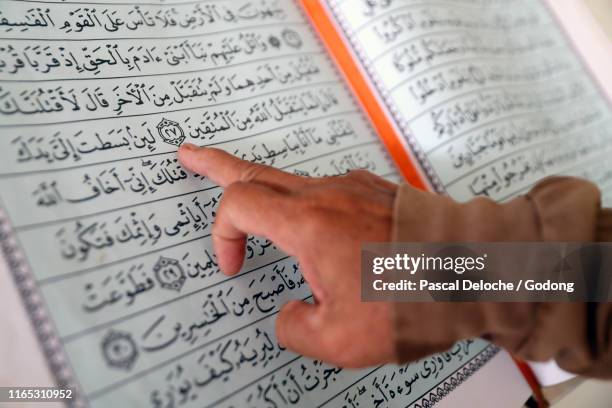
{"points": [[322, 222]]}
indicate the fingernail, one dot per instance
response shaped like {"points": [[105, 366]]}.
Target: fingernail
{"points": [[190, 147]]}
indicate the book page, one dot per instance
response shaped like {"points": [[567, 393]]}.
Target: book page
{"points": [[108, 238], [488, 96]]}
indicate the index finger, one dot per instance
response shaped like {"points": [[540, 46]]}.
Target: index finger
{"points": [[225, 169]]}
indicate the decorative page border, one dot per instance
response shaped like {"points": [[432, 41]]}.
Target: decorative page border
{"points": [[450, 383], [390, 105], [42, 323]]}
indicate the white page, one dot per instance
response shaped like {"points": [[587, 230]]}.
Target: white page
{"points": [[109, 239], [489, 95], [549, 373]]}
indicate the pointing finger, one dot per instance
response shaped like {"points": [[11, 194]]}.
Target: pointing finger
{"points": [[225, 169]]}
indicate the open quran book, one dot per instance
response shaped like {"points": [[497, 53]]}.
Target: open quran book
{"points": [[107, 238]]}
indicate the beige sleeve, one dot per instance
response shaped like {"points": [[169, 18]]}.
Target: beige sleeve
{"points": [[577, 335]]}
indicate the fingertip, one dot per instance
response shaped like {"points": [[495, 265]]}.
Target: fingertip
{"points": [[194, 159], [230, 266], [187, 150], [210, 162], [230, 255], [189, 147]]}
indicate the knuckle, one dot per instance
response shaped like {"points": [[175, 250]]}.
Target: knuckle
{"points": [[217, 226], [359, 174], [232, 192], [361, 177], [251, 171], [231, 197], [220, 217], [483, 204]]}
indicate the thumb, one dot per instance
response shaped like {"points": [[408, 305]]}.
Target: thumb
{"points": [[299, 327]]}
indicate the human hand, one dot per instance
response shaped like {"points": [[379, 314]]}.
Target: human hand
{"points": [[322, 222]]}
